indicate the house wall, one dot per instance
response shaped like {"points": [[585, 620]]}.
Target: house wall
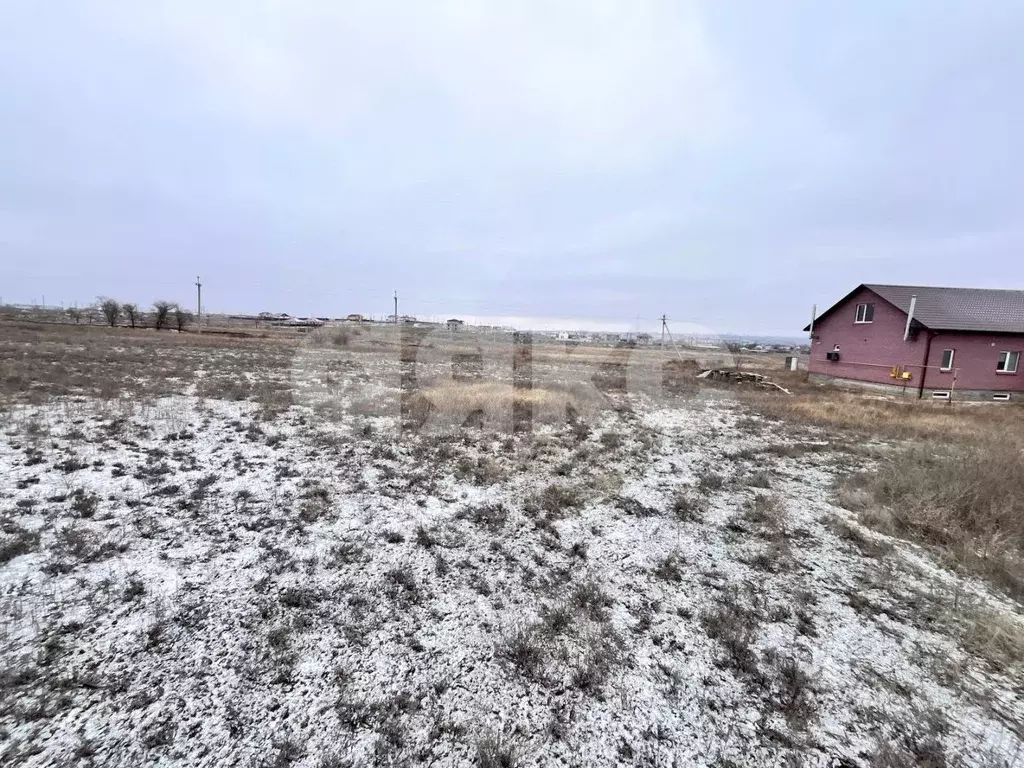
{"points": [[975, 358], [869, 351]]}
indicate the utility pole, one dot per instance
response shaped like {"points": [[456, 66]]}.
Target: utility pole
{"points": [[664, 325], [396, 308], [199, 305]]}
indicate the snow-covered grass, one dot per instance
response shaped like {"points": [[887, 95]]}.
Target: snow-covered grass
{"points": [[255, 579]]}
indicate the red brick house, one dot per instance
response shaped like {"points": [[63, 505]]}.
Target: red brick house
{"points": [[942, 343]]}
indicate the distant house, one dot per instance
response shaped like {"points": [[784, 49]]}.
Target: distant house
{"points": [[941, 343], [454, 324], [355, 318]]}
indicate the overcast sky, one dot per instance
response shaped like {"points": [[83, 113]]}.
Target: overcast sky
{"points": [[726, 163]]}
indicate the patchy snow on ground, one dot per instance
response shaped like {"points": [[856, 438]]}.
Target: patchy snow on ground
{"points": [[189, 581]]}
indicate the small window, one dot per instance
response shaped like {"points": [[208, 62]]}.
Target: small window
{"points": [[940, 395], [865, 313], [1008, 362], [947, 360], [1002, 397]]}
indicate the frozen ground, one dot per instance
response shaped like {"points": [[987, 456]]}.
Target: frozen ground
{"points": [[187, 581]]}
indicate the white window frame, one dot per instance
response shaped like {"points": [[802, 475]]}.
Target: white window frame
{"points": [[1001, 397], [858, 317], [1010, 353], [952, 355]]}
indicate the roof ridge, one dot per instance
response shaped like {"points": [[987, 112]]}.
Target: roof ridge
{"points": [[942, 287]]}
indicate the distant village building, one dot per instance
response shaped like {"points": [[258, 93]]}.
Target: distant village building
{"points": [[355, 318], [454, 324]]}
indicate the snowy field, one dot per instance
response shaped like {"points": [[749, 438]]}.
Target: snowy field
{"points": [[199, 576]]}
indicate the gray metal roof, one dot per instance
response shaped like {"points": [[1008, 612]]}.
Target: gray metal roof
{"points": [[959, 309]]}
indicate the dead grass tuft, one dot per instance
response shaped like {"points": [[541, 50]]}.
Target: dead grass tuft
{"points": [[524, 649], [997, 637], [495, 752], [16, 540]]}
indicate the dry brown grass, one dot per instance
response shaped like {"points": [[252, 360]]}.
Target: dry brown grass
{"points": [[998, 637], [497, 405], [39, 361], [966, 500], [884, 417], [955, 480]]}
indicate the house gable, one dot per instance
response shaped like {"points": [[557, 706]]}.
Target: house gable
{"points": [[865, 294]]}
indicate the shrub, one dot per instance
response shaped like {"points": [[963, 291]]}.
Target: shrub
{"points": [[612, 440], [604, 652], [734, 628], [182, 317], [556, 499], [401, 586], [80, 544], [131, 311], [161, 313], [111, 310], [669, 567], [765, 509], [794, 690], [490, 516], [709, 481], [83, 503], [590, 599], [493, 752], [687, 506], [425, 537], [759, 479], [523, 649], [15, 541], [996, 637]]}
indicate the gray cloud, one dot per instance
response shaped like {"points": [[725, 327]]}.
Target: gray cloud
{"points": [[726, 163]]}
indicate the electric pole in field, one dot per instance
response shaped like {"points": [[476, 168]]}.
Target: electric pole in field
{"points": [[396, 308], [199, 305], [665, 329]]}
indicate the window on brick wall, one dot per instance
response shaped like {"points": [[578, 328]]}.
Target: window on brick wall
{"points": [[865, 313], [947, 360], [1008, 362]]}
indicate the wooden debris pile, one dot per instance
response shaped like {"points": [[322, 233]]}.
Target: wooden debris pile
{"points": [[740, 377]]}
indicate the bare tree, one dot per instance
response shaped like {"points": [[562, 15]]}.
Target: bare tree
{"points": [[75, 314], [111, 310], [182, 316], [161, 313], [131, 311]]}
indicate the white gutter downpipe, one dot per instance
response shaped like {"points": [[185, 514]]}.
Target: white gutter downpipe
{"points": [[910, 316]]}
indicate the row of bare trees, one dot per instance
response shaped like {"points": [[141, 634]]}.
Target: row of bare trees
{"points": [[164, 314]]}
